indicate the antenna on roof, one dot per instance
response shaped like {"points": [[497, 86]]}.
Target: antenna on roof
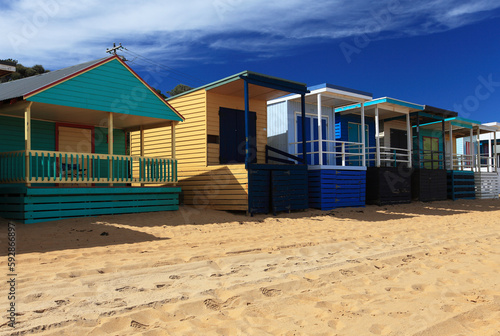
{"points": [[114, 49]]}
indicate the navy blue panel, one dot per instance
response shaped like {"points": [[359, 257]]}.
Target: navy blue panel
{"points": [[232, 136], [330, 189]]}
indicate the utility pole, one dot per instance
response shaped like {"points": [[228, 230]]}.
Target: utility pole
{"points": [[114, 49]]}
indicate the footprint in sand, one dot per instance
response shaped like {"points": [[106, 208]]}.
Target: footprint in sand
{"points": [[212, 304], [269, 292], [138, 325]]}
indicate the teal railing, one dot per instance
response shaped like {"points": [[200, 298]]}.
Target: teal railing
{"points": [[62, 167]]}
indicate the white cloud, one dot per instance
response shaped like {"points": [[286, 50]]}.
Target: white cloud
{"points": [[62, 32]]}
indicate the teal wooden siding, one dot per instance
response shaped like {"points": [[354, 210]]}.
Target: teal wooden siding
{"points": [[101, 141], [12, 134], [32, 205], [110, 87]]}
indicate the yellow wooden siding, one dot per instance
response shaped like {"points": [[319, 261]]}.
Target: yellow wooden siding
{"points": [[74, 139], [220, 187], [190, 135], [215, 101]]}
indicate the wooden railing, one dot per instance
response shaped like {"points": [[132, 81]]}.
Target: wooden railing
{"points": [[63, 167]]}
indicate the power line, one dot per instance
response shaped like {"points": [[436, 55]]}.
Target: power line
{"points": [[179, 75]]}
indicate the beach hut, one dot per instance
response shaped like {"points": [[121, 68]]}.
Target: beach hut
{"points": [[429, 177], [6, 68], [472, 164], [388, 157], [64, 145], [222, 147], [334, 142]]}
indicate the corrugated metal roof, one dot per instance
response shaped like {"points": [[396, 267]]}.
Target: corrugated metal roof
{"points": [[20, 87]]}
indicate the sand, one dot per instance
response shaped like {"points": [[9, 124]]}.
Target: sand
{"points": [[417, 269]]}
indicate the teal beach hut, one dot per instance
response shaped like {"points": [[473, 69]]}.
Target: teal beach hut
{"points": [[64, 148]]}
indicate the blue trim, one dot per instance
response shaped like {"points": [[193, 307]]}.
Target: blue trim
{"points": [[275, 84], [247, 125], [341, 88]]}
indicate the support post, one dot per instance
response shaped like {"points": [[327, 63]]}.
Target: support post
{"points": [[495, 160], [451, 147], [443, 130], [478, 143], [334, 144], [377, 138], [471, 146], [141, 145], [419, 163], [490, 154], [172, 136], [27, 141], [303, 113], [110, 145], [409, 144], [320, 131], [141, 141], [363, 134], [247, 125]]}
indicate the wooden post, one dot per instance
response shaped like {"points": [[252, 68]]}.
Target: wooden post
{"points": [[443, 130], [320, 132], [363, 134], [471, 146], [409, 144], [141, 145], [172, 136], [478, 143], [247, 125], [27, 140], [110, 145], [490, 153], [303, 114], [451, 147], [377, 138], [495, 160], [334, 144], [418, 142], [172, 130]]}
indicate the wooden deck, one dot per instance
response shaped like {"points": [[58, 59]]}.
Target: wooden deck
{"points": [[40, 204]]}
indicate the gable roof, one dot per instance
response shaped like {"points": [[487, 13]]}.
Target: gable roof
{"points": [[28, 88]]}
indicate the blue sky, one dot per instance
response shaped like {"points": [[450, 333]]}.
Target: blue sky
{"points": [[443, 53]]}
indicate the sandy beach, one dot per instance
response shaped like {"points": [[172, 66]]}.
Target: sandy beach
{"points": [[417, 269]]}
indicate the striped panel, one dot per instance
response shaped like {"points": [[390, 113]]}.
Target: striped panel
{"points": [[32, 205], [461, 184], [487, 186], [334, 188]]}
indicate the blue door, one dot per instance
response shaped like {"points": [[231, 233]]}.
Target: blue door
{"points": [[232, 136]]}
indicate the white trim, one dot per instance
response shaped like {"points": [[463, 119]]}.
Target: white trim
{"points": [[312, 115], [316, 167]]}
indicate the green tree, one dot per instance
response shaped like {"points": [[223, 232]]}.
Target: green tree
{"points": [[178, 89], [22, 71]]}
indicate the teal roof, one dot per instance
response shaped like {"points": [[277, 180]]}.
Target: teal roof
{"points": [[106, 84], [381, 101]]}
